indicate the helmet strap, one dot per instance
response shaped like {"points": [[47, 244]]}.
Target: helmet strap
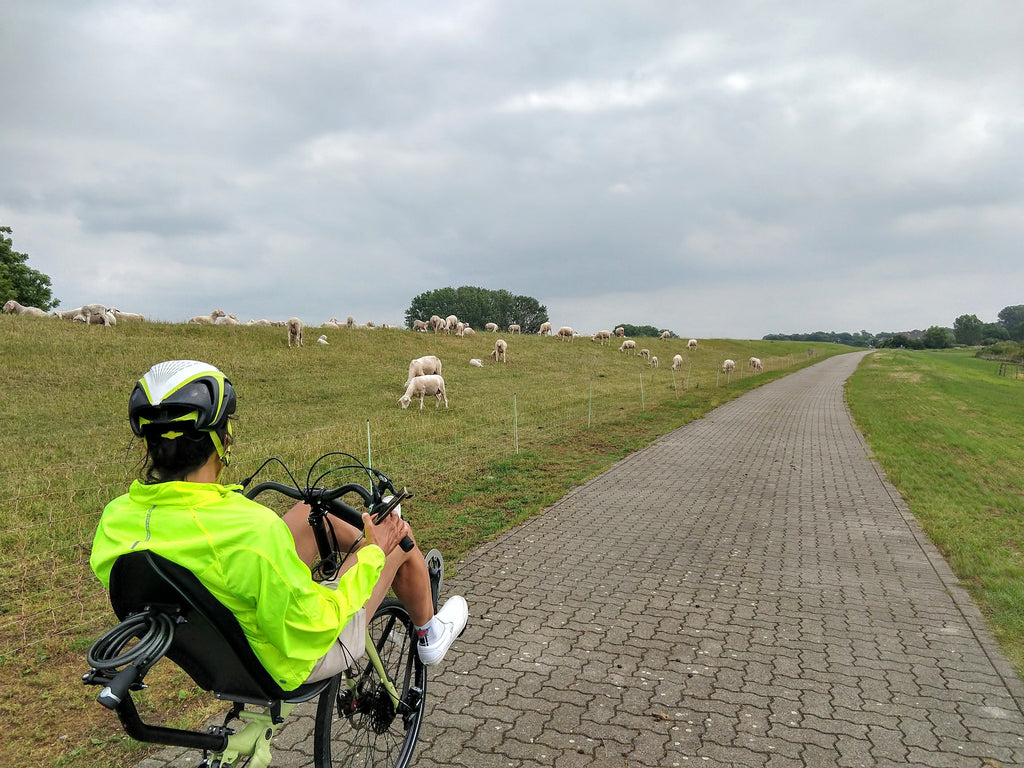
{"points": [[223, 451]]}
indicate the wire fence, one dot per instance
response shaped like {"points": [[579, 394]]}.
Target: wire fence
{"points": [[49, 596]]}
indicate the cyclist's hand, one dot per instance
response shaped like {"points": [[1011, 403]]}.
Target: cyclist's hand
{"points": [[387, 533]]}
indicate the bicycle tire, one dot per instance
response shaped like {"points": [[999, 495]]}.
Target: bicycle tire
{"points": [[362, 729]]}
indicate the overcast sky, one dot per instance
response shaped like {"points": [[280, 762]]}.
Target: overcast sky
{"points": [[720, 169]]}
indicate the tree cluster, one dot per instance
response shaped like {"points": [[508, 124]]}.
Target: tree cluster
{"points": [[19, 281], [642, 331], [477, 307]]}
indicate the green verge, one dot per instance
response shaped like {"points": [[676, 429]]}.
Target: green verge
{"points": [[946, 429]]}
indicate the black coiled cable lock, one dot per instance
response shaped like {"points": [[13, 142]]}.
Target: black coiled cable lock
{"points": [[152, 632]]}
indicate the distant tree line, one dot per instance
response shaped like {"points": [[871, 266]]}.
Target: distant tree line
{"points": [[640, 331], [479, 306], [967, 330], [20, 282]]}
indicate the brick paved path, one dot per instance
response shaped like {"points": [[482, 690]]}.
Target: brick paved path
{"points": [[749, 591]]}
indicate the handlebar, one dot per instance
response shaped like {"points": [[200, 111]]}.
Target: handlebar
{"points": [[329, 500]]}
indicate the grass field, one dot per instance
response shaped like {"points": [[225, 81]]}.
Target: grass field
{"points": [[947, 430], [515, 439]]}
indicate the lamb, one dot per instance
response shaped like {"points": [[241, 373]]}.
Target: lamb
{"points": [[677, 362], [97, 314], [665, 335], [126, 317], [14, 308], [620, 332], [207, 319], [492, 327], [728, 366], [755, 364], [419, 325], [500, 348], [460, 330], [436, 323], [515, 329], [601, 336], [228, 319], [476, 362], [691, 344], [63, 314], [350, 322], [645, 353], [262, 322], [449, 323], [332, 323], [565, 332], [545, 329], [322, 339], [628, 344], [421, 386], [423, 366], [653, 362], [468, 331], [294, 332]]}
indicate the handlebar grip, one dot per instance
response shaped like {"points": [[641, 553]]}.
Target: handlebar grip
{"points": [[115, 691], [407, 544]]}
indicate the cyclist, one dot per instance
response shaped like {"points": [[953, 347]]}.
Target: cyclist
{"points": [[255, 562]]}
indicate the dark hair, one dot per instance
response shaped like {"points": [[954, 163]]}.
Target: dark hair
{"points": [[173, 459]]}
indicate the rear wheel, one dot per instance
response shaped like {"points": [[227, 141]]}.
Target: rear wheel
{"points": [[357, 723]]}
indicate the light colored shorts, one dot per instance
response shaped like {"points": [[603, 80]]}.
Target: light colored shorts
{"points": [[345, 652]]}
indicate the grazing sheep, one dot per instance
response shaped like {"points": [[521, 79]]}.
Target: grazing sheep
{"points": [[653, 362], [755, 364], [545, 329], [677, 362], [476, 362], [126, 317], [515, 329], [691, 344], [665, 335], [645, 353], [500, 348], [565, 332], [728, 366], [601, 336], [322, 339], [628, 344], [620, 331], [449, 323], [423, 366], [492, 327], [460, 330], [14, 308], [350, 322], [436, 323], [421, 386], [63, 314], [468, 332], [419, 325], [294, 332], [209, 319]]}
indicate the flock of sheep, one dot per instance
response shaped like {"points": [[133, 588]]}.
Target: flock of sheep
{"points": [[424, 377]]}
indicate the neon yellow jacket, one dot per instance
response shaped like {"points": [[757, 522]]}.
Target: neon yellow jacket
{"points": [[244, 554]]}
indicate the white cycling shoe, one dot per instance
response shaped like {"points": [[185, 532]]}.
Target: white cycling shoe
{"points": [[448, 625]]}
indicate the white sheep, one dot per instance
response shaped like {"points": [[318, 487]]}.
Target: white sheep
{"points": [[332, 324], [322, 339], [126, 317], [500, 348], [691, 344], [755, 364], [654, 362], [545, 329], [64, 314], [677, 362], [645, 353], [628, 344], [476, 362], [228, 319], [419, 325], [460, 330], [468, 331], [14, 308], [565, 332], [97, 314], [514, 328], [423, 366], [350, 322], [209, 319], [728, 366], [294, 331], [436, 323], [261, 322], [421, 386], [601, 336], [665, 335], [620, 332], [492, 327]]}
